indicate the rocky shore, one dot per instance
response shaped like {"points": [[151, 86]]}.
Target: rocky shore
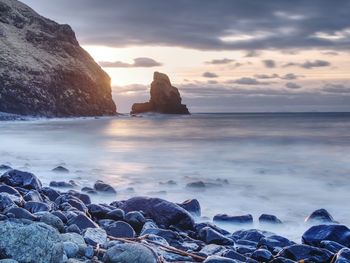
{"points": [[41, 224]]}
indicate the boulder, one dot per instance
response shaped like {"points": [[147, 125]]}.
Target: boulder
{"points": [[165, 98], [343, 256], [44, 71], [164, 213], [60, 169], [30, 242], [18, 178], [21, 213], [35, 207], [101, 186], [120, 229], [316, 234], [269, 219], [127, 253], [83, 222], [192, 206], [210, 236], [306, 253], [320, 216], [6, 202], [52, 220], [94, 236], [262, 255], [243, 219]]}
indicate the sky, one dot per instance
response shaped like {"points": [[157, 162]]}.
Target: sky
{"points": [[223, 55]]}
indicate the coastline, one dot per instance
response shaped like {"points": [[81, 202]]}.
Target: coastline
{"points": [[157, 229]]}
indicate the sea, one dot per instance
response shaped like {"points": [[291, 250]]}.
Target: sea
{"points": [[285, 164]]}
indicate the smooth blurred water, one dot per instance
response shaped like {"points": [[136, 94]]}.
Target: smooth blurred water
{"points": [[284, 164]]}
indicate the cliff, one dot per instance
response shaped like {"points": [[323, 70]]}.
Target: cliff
{"points": [[165, 98], [44, 71]]}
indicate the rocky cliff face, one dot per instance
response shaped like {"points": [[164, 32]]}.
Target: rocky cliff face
{"points": [[44, 71], [164, 98]]}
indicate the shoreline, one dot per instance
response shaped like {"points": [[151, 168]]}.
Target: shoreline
{"points": [[156, 228]]}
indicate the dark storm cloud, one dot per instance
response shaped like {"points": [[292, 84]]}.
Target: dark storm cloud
{"points": [[269, 63], [205, 24], [220, 61], [252, 53], [210, 75], [309, 64], [138, 63]]}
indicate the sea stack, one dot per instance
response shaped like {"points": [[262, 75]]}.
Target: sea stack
{"points": [[165, 98], [44, 71]]}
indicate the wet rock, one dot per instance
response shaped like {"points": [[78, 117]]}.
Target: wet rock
{"points": [[52, 220], [33, 195], [269, 219], [35, 207], [332, 246], [73, 229], [75, 238], [262, 255], [210, 236], [10, 190], [30, 242], [338, 233], [21, 213], [170, 236], [98, 211], [192, 206], [320, 216], [60, 215], [52, 194], [94, 236], [169, 182], [116, 214], [71, 200], [199, 226], [8, 261], [211, 249], [83, 197], [70, 249], [101, 186], [127, 253], [250, 234], [6, 202], [282, 260], [274, 242], [120, 229], [306, 253], [165, 98], [83, 222], [61, 184], [243, 219], [343, 256], [89, 190], [135, 219], [163, 212], [245, 246], [198, 185], [232, 254], [22, 179], [218, 259], [60, 169]]}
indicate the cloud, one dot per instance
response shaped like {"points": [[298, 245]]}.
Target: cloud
{"points": [[309, 64], [138, 63], [269, 63], [288, 76], [205, 24], [252, 53], [265, 76], [330, 53], [209, 75], [292, 85], [220, 61], [336, 88], [246, 81]]}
